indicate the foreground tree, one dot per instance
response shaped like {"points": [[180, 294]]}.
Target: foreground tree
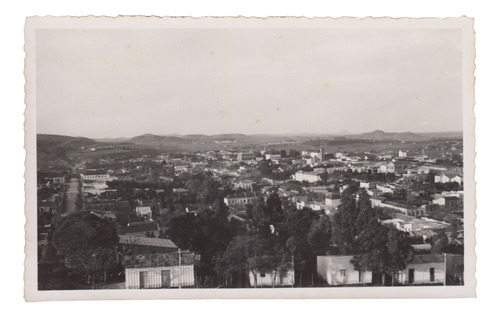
{"points": [[344, 222], [252, 253], [382, 250], [319, 234], [92, 263], [87, 244], [399, 251]]}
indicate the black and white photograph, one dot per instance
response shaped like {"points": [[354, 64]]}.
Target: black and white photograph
{"points": [[249, 158]]}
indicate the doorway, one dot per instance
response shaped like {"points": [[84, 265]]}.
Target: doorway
{"points": [[411, 276], [142, 279], [165, 278]]}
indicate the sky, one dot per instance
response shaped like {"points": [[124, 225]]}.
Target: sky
{"points": [[125, 82]]}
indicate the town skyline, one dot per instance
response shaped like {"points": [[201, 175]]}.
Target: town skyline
{"points": [[303, 134]]}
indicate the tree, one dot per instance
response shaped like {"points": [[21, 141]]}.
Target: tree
{"points": [[319, 236], [265, 168], [219, 209], [92, 262], [366, 212], [274, 208], [371, 248], [440, 242], [87, 244], [382, 250], [83, 232], [430, 177], [296, 225], [251, 253], [293, 153], [344, 222], [399, 251]]}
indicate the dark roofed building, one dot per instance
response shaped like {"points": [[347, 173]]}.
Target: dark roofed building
{"points": [[142, 245], [140, 229], [240, 199], [160, 270]]}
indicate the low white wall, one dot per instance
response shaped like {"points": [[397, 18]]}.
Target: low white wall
{"points": [[153, 276]]}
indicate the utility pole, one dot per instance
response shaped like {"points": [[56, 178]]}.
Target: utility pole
{"points": [[179, 268], [445, 269]]}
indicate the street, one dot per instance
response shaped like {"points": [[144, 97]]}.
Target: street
{"points": [[71, 196]]}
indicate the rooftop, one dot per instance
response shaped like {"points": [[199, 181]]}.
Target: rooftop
{"points": [[427, 258], [242, 195], [159, 259], [138, 227], [143, 241]]}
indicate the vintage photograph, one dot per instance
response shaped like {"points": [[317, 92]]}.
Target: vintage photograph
{"points": [[249, 158]]}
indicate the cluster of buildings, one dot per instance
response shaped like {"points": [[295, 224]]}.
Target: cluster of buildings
{"points": [[401, 182]]}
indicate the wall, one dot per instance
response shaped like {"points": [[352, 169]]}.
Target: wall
{"points": [[153, 279], [329, 269], [422, 273], [267, 279]]}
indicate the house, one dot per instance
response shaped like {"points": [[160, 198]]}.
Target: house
{"points": [[332, 203], [160, 270], [310, 177], [245, 156], [383, 168], [448, 201], [140, 229], [366, 185], [423, 269], [441, 179], [313, 205], [377, 201], [95, 176], [456, 179], [144, 211], [338, 270], [245, 184], [319, 154], [273, 278], [384, 189], [57, 179], [399, 207], [273, 156], [131, 244], [52, 205], [105, 214], [240, 199]]}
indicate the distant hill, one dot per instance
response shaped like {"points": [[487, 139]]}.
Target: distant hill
{"points": [[174, 140], [379, 135], [52, 144], [156, 140]]}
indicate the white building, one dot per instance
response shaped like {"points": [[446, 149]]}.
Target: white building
{"points": [[240, 199], [144, 211], [95, 177], [310, 177], [159, 270], [423, 269], [338, 270], [273, 156], [245, 184]]}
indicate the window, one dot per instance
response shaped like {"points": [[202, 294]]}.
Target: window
{"points": [[342, 272], [432, 277], [262, 274]]}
